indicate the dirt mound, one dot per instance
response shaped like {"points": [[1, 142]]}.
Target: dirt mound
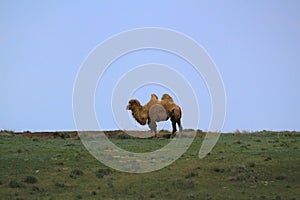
{"points": [[74, 134]]}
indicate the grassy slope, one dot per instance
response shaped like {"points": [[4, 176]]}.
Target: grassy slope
{"points": [[241, 166]]}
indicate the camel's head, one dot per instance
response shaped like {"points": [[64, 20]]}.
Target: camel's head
{"points": [[133, 103]]}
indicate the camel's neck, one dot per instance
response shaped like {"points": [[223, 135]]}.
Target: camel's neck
{"points": [[136, 109], [137, 113]]}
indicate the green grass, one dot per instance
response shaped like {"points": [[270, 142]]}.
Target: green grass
{"points": [[261, 165]]}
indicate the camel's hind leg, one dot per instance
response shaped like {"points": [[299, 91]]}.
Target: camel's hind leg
{"points": [[173, 125]]}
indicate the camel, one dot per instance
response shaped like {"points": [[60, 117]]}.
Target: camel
{"points": [[156, 111]]}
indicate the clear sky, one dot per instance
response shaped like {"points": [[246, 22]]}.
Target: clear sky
{"points": [[254, 44]]}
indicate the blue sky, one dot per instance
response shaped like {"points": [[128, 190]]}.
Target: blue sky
{"points": [[254, 44]]}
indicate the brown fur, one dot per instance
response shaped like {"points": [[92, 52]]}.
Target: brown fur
{"points": [[153, 100], [139, 112], [155, 111], [173, 111]]}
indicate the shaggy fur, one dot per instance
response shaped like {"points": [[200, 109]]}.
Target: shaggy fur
{"points": [[141, 113], [137, 111], [156, 111], [173, 111]]}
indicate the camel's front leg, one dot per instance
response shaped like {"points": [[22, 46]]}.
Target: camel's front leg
{"points": [[152, 125]]}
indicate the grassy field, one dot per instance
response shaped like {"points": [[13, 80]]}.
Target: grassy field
{"points": [[260, 165]]}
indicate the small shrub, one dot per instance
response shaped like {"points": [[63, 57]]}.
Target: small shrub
{"points": [[15, 184], [191, 174], [152, 196], [240, 169], [77, 172], [268, 158], [252, 164], [30, 179], [199, 131], [37, 189], [70, 144], [61, 185], [64, 135], [277, 197], [59, 163], [219, 170], [7, 131], [124, 136], [183, 184], [221, 158], [110, 183], [188, 130], [164, 131], [94, 193], [167, 136], [284, 144], [72, 176], [189, 184], [273, 141], [281, 177], [232, 178], [195, 196], [238, 142], [102, 172]]}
